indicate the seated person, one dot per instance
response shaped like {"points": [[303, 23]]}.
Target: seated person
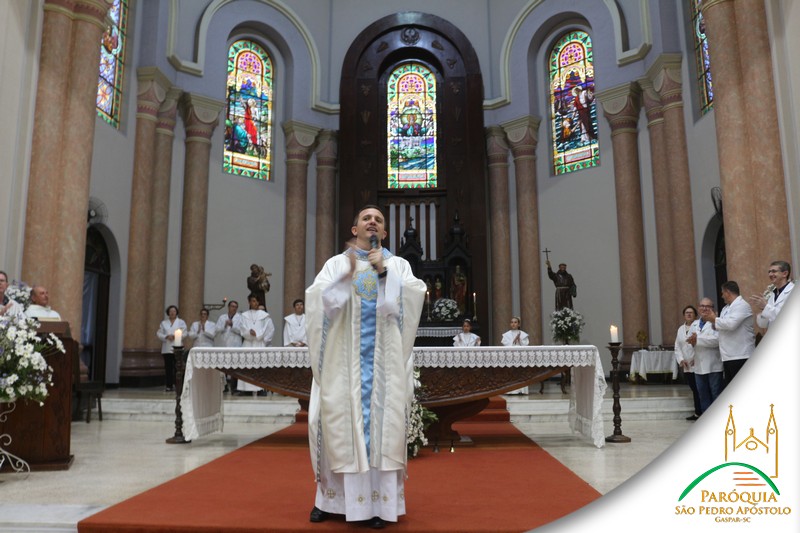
{"points": [[466, 337], [40, 305]]}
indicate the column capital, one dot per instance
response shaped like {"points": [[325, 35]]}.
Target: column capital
{"points": [[327, 148], [666, 75], [151, 90], [200, 116], [708, 4], [522, 135], [621, 106], [652, 103], [93, 11], [496, 146], [300, 140], [167, 113]]}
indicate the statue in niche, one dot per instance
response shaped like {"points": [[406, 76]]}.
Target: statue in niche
{"points": [[437, 288], [458, 289], [258, 283]]}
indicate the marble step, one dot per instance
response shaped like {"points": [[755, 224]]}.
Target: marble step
{"points": [[554, 410]]}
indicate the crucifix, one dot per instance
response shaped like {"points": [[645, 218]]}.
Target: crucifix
{"points": [[546, 253]]}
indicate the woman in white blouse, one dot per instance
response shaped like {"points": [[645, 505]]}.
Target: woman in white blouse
{"points": [[166, 333], [684, 354], [466, 337]]}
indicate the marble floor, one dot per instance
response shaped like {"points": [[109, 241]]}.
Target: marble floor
{"points": [[119, 458]]}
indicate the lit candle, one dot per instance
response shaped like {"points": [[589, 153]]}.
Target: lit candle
{"points": [[178, 338], [474, 299], [428, 297], [614, 333]]}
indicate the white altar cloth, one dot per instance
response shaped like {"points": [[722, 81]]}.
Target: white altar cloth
{"points": [[203, 384], [653, 361]]}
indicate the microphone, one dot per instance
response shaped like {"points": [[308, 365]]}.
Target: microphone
{"points": [[373, 244]]}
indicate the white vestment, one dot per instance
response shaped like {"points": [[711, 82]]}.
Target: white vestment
{"points": [[361, 332], [41, 313], [774, 306], [13, 310], [466, 339], [203, 336], [516, 337], [229, 336], [261, 324], [294, 329], [167, 328]]}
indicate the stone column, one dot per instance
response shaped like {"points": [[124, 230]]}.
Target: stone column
{"points": [[764, 142], [299, 144], [325, 234], [663, 215], [621, 106], [64, 241], [41, 219], [522, 137], [200, 117], [162, 176], [497, 152], [152, 91], [737, 180]]}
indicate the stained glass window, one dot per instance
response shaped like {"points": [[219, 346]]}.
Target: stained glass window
{"points": [[248, 119], [411, 124], [112, 63], [704, 85], [572, 105]]}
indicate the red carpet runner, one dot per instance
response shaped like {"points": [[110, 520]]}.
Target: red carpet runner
{"points": [[504, 482]]}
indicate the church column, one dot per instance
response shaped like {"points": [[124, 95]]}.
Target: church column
{"points": [[200, 117], [521, 134], [621, 107], [737, 180], [761, 115], [497, 152], [64, 241], [46, 149], [162, 176], [663, 215], [325, 235], [152, 90], [299, 144]]}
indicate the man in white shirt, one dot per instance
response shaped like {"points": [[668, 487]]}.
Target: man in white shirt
{"points": [[40, 305], [228, 335], [8, 307], [294, 326], [735, 326], [203, 331], [767, 308]]}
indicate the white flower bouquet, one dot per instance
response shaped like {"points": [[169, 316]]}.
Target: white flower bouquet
{"points": [[24, 373], [20, 292], [445, 310], [418, 421], [566, 325]]}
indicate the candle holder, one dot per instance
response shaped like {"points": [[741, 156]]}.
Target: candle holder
{"points": [[180, 363], [617, 436]]}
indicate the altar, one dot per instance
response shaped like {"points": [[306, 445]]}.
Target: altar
{"points": [[457, 382]]}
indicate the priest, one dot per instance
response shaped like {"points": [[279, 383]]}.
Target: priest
{"points": [[362, 315], [40, 305]]}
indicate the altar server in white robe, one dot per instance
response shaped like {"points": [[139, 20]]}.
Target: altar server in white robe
{"points": [[294, 326], [203, 331], [362, 314], [257, 330], [466, 337], [516, 337]]}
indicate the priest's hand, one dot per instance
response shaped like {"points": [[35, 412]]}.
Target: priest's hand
{"points": [[351, 247], [376, 260]]}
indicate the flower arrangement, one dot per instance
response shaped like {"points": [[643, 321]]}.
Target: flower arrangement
{"points": [[20, 292], [566, 325], [418, 421], [445, 309], [24, 373]]}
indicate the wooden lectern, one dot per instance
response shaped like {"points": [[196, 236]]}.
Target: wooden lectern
{"points": [[41, 434]]}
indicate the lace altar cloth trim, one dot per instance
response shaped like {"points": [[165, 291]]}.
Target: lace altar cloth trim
{"points": [[438, 332], [448, 357]]}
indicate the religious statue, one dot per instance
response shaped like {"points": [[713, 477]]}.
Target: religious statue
{"points": [[458, 290], [566, 289], [258, 283], [437, 288]]}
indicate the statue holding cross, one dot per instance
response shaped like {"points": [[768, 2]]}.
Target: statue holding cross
{"points": [[566, 289]]}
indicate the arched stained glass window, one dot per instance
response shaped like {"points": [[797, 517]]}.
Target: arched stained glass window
{"points": [[248, 118], [572, 105], [411, 121], [704, 85], [112, 62]]}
